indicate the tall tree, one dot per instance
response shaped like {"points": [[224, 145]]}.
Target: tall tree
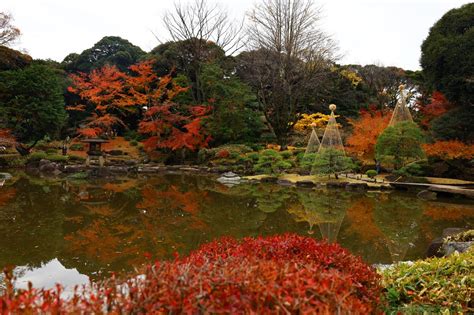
{"points": [[289, 55], [447, 55], [200, 30], [8, 32], [32, 103]]}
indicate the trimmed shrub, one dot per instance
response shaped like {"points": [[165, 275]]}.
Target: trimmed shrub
{"points": [[76, 147], [440, 285], [37, 155], [277, 274], [371, 173], [51, 151]]}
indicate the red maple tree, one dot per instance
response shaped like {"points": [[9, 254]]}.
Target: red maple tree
{"points": [[438, 106]]}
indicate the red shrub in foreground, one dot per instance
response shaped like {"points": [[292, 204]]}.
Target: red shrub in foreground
{"points": [[277, 274]]}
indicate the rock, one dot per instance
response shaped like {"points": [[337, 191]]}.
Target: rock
{"points": [[434, 249], [49, 167], [427, 195], [131, 162], [451, 247], [357, 186], [269, 179], [188, 169], [452, 231], [334, 184], [305, 183], [229, 174], [284, 182], [229, 178], [69, 169]]}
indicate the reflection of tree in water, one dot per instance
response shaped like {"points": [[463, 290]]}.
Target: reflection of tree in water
{"points": [[398, 217], [31, 222], [323, 208], [360, 232]]}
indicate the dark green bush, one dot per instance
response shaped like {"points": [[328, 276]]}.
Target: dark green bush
{"points": [[371, 173], [286, 154], [36, 156], [76, 147], [134, 143]]}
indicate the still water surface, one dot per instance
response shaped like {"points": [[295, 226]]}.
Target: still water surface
{"points": [[69, 231]]}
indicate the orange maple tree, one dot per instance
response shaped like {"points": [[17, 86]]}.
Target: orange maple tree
{"points": [[105, 90], [449, 150], [367, 128], [438, 106], [115, 94]]}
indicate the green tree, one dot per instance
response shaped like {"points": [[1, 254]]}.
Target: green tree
{"points": [[32, 103], [188, 57], [400, 144], [234, 117], [332, 161], [111, 50], [447, 55]]}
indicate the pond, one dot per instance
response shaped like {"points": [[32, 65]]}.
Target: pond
{"points": [[70, 231]]}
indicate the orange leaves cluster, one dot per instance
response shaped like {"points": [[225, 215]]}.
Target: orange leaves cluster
{"points": [[366, 130], [115, 94], [6, 136], [170, 127], [449, 150]]}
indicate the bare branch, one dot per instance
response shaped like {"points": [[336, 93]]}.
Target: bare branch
{"points": [[8, 32]]}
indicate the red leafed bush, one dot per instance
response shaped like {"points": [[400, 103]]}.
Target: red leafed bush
{"points": [[223, 154], [277, 274]]}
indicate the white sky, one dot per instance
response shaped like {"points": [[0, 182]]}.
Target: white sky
{"points": [[385, 32]]}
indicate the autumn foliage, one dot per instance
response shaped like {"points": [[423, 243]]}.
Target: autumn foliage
{"points": [[6, 136], [438, 106], [113, 95], [366, 131], [449, 150], [278, 274]]}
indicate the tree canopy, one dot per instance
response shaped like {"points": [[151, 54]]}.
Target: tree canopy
{"points": [[447, 55], [400, 144], [32, 103], [110, 50]]}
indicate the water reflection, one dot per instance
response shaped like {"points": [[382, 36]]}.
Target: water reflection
{"points": [[102, 226]]}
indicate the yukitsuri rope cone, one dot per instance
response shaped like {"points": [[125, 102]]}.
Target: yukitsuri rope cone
{"points": [[331, 149], [313, 143], [401, 112], [332, 137]]}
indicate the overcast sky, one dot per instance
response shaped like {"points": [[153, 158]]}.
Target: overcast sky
{"points": [[386, 32]]}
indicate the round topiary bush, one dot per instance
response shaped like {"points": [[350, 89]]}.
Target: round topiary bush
{"points": [[371, 173], [277, 274]]}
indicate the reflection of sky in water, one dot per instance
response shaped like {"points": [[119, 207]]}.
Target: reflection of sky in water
{"points": [[48, 275]]}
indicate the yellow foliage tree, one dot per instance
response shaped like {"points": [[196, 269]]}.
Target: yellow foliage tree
{"points": [[308, 121]]}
